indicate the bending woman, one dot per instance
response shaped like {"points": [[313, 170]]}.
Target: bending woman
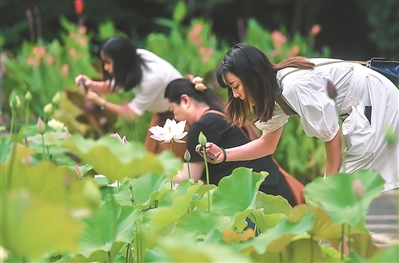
{"points": [[203, 111], [367, 102], [126, 67]]}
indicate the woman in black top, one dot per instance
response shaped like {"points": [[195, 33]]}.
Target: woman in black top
{"points": [[203, 111]]}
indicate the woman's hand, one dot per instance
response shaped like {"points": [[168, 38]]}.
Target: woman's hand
{"points": [[84, 82], [212, 150], [94, 97]]}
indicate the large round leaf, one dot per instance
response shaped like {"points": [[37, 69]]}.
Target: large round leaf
{"points": [[336, 195]]}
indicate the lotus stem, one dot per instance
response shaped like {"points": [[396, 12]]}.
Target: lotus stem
{"points": [[311, 248], [44, 150], [27, 114], [342, 241], [13, 113], [207, 178]]}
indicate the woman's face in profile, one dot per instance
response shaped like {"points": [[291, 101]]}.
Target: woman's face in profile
{"points": [[237, 88], [108, 63]]}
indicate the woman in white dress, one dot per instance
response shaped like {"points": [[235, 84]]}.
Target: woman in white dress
{"points": [[126, 68], [367, 102]]}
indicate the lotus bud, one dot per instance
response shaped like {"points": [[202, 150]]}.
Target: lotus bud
{"points": [[187, 156], [202, 139], [56, 99], [15, 102], [48, 109], [28, 96], [358, 189], [41, 127], [78, 171], [331, 90]]}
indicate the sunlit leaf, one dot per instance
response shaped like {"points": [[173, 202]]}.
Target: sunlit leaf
{"points": [[181, 249], [168, 216], [336, 196], [122, 160], [146, 188], [364, 245], [107, 231], [32, 226], [298, 251], [200, 224], [277, 238], [237, 192], [388, 254]]}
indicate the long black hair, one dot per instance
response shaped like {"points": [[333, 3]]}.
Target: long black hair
{"points": [[181, 86], [258, 76], [127, 72]]}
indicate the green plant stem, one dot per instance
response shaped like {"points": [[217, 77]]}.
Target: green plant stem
{"points": [[170, 149], [207, 178], [188, 169], [13, 113], [349, 238], [44, 151], [127, 253], [27, 114], [342, 241], [109, 257], [10, 172]]}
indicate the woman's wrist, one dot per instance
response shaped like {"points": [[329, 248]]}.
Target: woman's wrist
{"points": [[224, 154]]}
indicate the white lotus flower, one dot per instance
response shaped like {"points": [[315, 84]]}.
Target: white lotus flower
{"points": [[172, 131], [57, 125]]}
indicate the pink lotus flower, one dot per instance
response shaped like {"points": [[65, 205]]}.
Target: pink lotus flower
{"points": [[315, 29], [172, 131], [123, 139]]}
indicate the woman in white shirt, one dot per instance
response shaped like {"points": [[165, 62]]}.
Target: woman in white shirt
{"points": [[126, 67], [367, 102]]}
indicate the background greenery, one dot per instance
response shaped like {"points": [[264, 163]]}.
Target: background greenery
{"points": [[43, 54]]}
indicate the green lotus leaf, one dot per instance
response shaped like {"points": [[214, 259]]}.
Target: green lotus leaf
{"points": [[276, 239], [324, 228], [55, 184], [335, 194], [169, 216], [387, 255], [117, 160], [200, 224], [364, 245], [146, 189], [107, 231], [168, 199], [185, 249], [298, 251], [32, 226], [264, 222], [271, 204], [237, 192]]}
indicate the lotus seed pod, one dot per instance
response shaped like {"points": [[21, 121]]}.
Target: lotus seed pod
{"points": [[187, 156], [358, 189], [15, 102], [202, 139], [48, 109], [41, 127], [28, 96]]}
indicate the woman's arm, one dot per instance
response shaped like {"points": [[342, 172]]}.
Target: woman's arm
{"points": [[255, 149], [124, 111], [97, 86], [333, 154], [196, 170]]}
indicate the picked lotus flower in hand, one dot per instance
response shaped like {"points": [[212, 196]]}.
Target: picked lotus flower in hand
{"points": [[172, 131]]}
